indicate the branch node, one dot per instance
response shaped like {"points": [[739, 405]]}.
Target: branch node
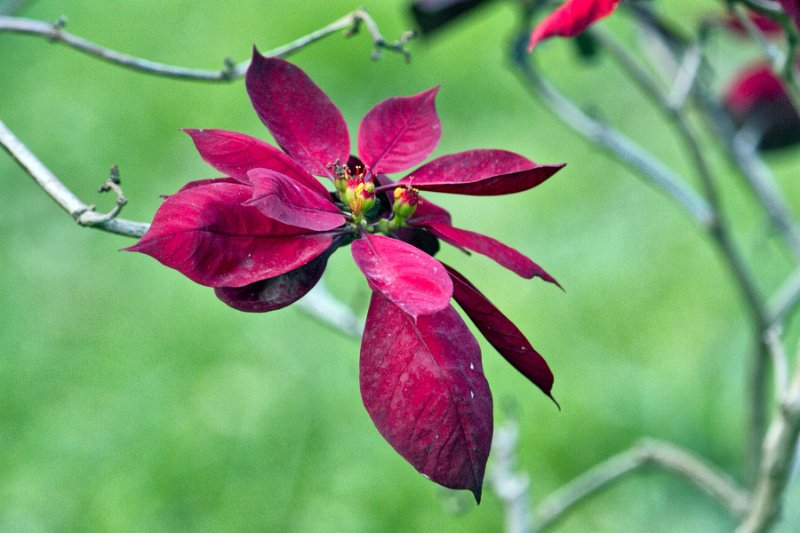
{"points": [[55, 30], [88, 217], [229, 71], [361, 16]]}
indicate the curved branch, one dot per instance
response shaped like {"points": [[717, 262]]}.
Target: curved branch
{"points": [[778, 454], [54, 32], [82, 213], [648, 452], [616, 143]]}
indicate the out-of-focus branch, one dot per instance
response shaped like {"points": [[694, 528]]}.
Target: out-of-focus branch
{"points": [[718, 230], [779, 451], [510, 485], [767, 7], [663, 45], [54, 32], [774, 54], [648, 452], [82, 213], [786, 298], [323, 306], [741, 148], [615, 142]]}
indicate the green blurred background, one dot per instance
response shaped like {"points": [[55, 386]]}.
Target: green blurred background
{"points": [[132, 400]]}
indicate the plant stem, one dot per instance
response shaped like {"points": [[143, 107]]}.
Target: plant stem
{"points": [[779, 450], [55, 33], [619, 145], [647, 452], [83, 214]]}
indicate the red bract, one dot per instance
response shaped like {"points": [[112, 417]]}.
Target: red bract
{"points": [[571, 19], [757, 100], [262, 237]]}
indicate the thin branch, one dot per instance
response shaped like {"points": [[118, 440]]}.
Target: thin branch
{"points": [[774, 54], [616, 143], [780, 362], [55, 33], [767, 7], [510, 485], [648, 452], [83, 214], [780, 447], [322, 305], [663, 44], [685, 77], [718, 230], [742, 151], [786, 299]]}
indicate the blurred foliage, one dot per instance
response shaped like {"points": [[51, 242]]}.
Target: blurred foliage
{"points": [[132, 400]]}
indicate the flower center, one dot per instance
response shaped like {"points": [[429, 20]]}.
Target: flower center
{"points": [[355, 190]]}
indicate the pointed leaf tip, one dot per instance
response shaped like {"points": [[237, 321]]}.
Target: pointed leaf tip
{"points": [[235, 154], [480, 173], [400, 132], [501, 333], [301, 117], [423, 385], [572, 18]]}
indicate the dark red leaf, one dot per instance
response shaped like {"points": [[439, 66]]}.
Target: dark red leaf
{"points": [[208, 235], [503, 254], [419, 238], [399, 132], [501, 333], [235, 154], [274, 293], [423, 386], [571, 18], [480, 172], [429, 213], [290, 202], [413, 280], [298, 113]]}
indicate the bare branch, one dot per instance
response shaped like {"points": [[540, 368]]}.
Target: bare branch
{"points": [[774, 54], [780, 362], [510, 485], [778, 454], [648, 452], [741, 148], [616, 143], [323, 306], [55, 33], [83, 214], [785, 299]]}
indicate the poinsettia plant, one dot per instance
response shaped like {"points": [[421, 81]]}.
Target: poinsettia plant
{"points": [[261, 237]]}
